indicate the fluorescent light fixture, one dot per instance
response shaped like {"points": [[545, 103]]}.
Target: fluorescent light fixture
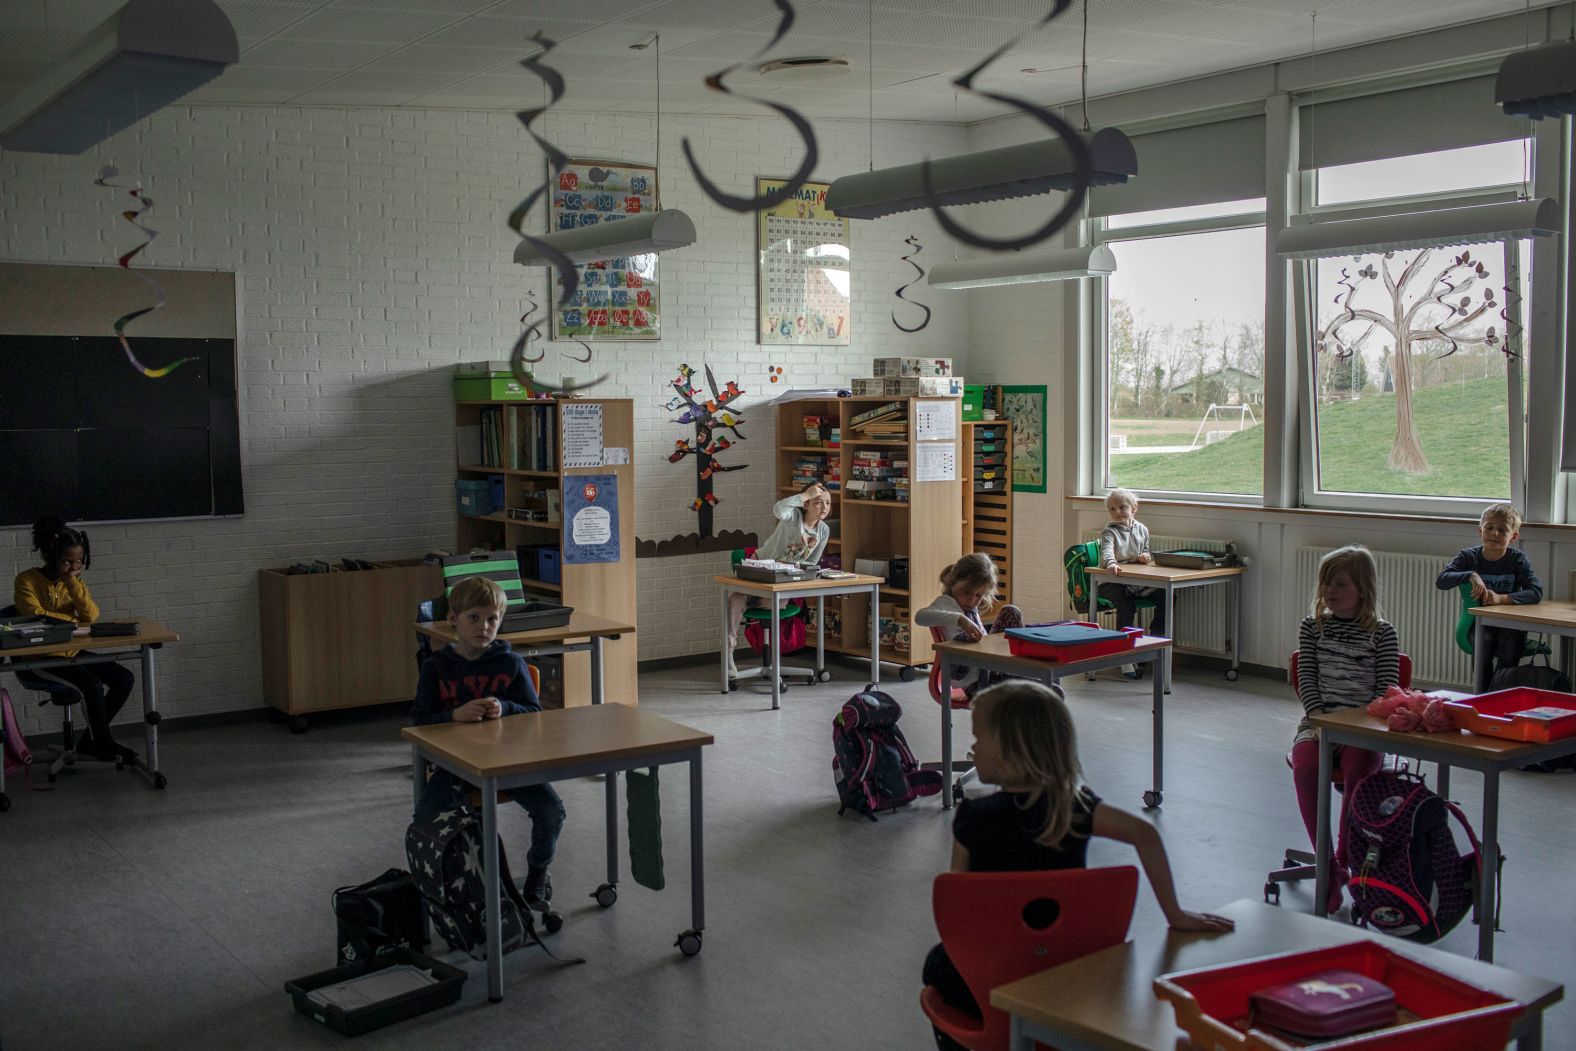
{"points": [[139, 60], [638, 235], [1475, 224], [1021, 268], [1538, 82], [990, 175]]}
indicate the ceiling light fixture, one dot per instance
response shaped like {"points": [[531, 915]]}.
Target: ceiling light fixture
{"points": [[804, 68], [1021, 268], [1538, 82], [139, 60], [1474, 224]]}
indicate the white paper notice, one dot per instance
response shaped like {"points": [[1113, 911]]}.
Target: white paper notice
{"points": [[582, 434], [615, 454], [592, 526], [937, 462], [935, 420]]}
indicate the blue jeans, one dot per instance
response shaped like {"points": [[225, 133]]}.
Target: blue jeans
{"points": [[445, 792]]}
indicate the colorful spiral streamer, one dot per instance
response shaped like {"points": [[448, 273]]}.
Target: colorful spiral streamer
{"points": [[132, 216]]}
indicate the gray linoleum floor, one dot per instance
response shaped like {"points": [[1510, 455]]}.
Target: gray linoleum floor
{"points": [[138, 919]]}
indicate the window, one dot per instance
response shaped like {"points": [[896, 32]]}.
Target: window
{"points": [[1468, 168], [1184, 362]]}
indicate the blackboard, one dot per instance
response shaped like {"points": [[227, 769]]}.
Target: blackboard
{"points": [[86, 436]]}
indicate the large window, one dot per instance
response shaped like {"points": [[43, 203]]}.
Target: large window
{"points": [[1184, 361]]}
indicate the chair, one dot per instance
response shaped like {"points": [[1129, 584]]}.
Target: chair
{"points": [[960, 700], [1001, 926], [1466, 624], [764, 618], [55, 692], [1298, 864], [1075, 560]]}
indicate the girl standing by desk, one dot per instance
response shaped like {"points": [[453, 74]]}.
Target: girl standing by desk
{"points": [[56, 590], [800, 536]]}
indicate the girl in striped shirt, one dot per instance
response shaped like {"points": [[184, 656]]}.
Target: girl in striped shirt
{"points": [[1346, 656]]}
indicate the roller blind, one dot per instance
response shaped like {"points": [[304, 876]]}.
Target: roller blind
{"points": [[1202, 164], [1400, 123]]}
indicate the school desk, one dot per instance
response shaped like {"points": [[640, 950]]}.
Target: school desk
{"points": [[1171, 579], [122, 648], [1552, 618], [777, 595], [1106, 1000], [992, 654], [1490, 756], [538, 747], [545, 642]]}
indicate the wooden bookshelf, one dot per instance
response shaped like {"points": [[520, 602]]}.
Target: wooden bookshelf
{"points": [[927, 529], [604, 589]]}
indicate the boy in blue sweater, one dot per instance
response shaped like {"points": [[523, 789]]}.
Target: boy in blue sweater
{"points": [[1500, 575], [474, 679]]}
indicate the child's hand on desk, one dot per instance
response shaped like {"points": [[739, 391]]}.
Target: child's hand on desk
{"points": [[967, 629], [1201, 921], [477, 710], [1147, 559], [1479, 589], [1114, 567]]}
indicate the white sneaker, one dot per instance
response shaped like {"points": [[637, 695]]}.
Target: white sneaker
{"points": [[1130, 671], [733, 669]]}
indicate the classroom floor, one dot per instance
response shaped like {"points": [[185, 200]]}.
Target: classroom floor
{"points": [[142, 919]]}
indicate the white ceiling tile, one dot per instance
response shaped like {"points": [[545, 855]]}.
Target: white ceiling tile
{"points": [[454, 7], [256, 22], [313, 54], [600, 12], [502, 32], [706, 13], [945, 31], [379, 26], [404, 85], [421, 58], [616, 40]]}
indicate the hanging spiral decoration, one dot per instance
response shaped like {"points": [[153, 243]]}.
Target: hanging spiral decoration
{"points": [[919, 275], [132, 216], [1511, 315], [1450, 311]]}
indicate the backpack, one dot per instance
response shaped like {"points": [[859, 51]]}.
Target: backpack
{"points": [[445, 857], [379, 916], [1408, 876], [1538, 677], [791, 634], [871, 763], [14, 753]]}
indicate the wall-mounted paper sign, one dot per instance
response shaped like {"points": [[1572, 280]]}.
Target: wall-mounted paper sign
{"points": [[935, 463], [591, 518], [582, 434]]}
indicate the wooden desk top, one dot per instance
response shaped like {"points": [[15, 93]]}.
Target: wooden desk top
{"points": [[518, 744], [995, 647], [580, 626], [1138, 573], [857, 580], [1536, 614], [149, 633], [1480, 746], [1108, 1000]]}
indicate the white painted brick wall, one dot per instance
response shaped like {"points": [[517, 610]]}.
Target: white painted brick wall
{"points": [[372, 254]]}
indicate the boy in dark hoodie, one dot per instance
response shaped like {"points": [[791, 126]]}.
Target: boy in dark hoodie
{"points": [[473, 679]]}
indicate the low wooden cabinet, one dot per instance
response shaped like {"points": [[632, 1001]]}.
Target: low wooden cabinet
{"points": [[341, 640]]}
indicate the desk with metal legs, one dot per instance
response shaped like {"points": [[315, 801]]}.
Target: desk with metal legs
{"points": [[1171, 579]]}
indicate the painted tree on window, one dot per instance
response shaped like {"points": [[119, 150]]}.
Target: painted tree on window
{"points": [[709, 417], [1416, 311]]}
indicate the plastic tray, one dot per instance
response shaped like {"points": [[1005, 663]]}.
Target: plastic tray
{"points": [[1493, 714], [16, 632], [395, 1009], [1438, 1012], [1028, 647], [1189, 559], [534, 616], [773, 576]]}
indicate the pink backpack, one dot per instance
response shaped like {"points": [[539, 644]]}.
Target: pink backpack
{"points": [[17, 757]]}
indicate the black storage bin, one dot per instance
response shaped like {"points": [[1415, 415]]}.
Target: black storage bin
{"points": [[445, 991], [532, 616], [16, 632]]}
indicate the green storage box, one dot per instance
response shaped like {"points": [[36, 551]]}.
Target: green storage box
{"points": [[973, 403], [489, 386]]}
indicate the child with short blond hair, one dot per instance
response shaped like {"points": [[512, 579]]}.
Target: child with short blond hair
{"points": [[1500, 575], [1125, 540]]}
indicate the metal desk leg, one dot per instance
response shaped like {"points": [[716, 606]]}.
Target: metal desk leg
{"points": [[820, 635], [777, 653], [1236, 624], [697, 849], [1164, 663], [722, 647], [150, 716], [1019, 1035], [1479, 652], [1490, 845], [597, 686], [494, 895], [1442, 780], [875, 636], [612, 827], [946, 731], [1530, 1037], [1321, 846], [418, 772], [1153, 797]]}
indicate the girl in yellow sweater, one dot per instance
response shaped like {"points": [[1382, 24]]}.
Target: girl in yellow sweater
{"points": [[56, 590]]}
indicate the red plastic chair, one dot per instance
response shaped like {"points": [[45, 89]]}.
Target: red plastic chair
{"points": [[1002, 926], [960, 698]]}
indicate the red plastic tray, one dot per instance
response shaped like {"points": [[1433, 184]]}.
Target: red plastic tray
{"points": [[1439, 1013], [1081, 651], [1492, 714]]}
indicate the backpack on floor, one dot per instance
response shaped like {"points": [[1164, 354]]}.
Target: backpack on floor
{"points": [[379, 916], [871, 763], [445, 857], [1537, 676], [1409, 877]]}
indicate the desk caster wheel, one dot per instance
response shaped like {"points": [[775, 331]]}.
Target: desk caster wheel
{"points": [[1151, 799], [957, 793], [5, 802], [823, 676], [733, 685], [298, 724], [906, 673], [689, 942], [1231, 675], [606, 895], [552, 922], [159, 781], [1272, 893]]}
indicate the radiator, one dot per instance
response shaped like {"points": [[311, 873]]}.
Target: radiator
{"points": [[1424, 617], [1199, 613]]}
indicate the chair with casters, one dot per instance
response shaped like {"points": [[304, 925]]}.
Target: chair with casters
{"points": [[960, 701], [763, 617], [1466, 624], [1298, 864], [1001, 926], [57, 757], [1077, 559]]}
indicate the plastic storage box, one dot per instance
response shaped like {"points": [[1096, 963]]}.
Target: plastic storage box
{"points": [[488, 386], [473, 496], [973, 402], [17, 632], [534, 616], [1437, 1012], [1073, 641], [1505, 713], [354, 1022]]}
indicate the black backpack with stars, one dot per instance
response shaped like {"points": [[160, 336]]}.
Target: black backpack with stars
{"points": [[445, 857]]}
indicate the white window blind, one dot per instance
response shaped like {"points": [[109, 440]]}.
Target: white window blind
{"points": [[1202, 164], [1400, 123]]}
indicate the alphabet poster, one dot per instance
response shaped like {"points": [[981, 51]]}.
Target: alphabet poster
{"points": [[617, 298], [803, 282], [590, 518]]}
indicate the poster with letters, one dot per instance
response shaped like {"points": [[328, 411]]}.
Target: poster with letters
{"points": [[803, 282], [617, 298]]}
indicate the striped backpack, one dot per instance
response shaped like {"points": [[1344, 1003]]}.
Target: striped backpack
{"points": [[871, 762], [1409, 876]]}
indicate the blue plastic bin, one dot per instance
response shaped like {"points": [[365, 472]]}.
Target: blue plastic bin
{"points": [[473, 496]]}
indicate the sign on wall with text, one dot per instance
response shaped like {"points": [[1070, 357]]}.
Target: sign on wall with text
{"points": [[617, 298], [803, 281]]}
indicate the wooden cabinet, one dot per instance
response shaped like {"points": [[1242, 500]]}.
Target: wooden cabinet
{"points": [[987, 496], [341, 640]]}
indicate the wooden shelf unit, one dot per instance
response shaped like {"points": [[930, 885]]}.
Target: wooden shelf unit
{"points": [[987, 514], [604, 589], [927, 529]]}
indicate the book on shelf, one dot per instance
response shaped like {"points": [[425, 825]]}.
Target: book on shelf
{"points": [[880, 412]]}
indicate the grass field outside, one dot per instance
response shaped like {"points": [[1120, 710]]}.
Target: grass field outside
{"points": [[1461, 425]]}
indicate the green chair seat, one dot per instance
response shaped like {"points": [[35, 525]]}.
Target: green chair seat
{"points": [[1076, 560], [761, 613], [1465, 624]]}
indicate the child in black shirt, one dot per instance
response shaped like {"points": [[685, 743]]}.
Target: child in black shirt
{"points": [[1500, 575], [1044, 816]]}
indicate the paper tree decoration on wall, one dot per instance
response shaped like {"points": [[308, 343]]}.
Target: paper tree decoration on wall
{"points": [[710, 418]]}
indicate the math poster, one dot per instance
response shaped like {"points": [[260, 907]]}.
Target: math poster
{"points": [[803, 286], [617, 298]]}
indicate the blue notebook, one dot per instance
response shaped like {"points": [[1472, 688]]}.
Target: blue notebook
{"points": [[1064, 634]]}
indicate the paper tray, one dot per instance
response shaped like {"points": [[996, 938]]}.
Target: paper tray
{"points": [[32, 631], [445, 991], [1495, 714], [773, 576], [534, 616]]}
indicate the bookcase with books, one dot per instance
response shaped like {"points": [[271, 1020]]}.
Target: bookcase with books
{"points": [[864, 450], [510, 450]]}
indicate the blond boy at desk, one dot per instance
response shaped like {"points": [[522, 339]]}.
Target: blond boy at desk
{"points": [[1500, 575]]}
